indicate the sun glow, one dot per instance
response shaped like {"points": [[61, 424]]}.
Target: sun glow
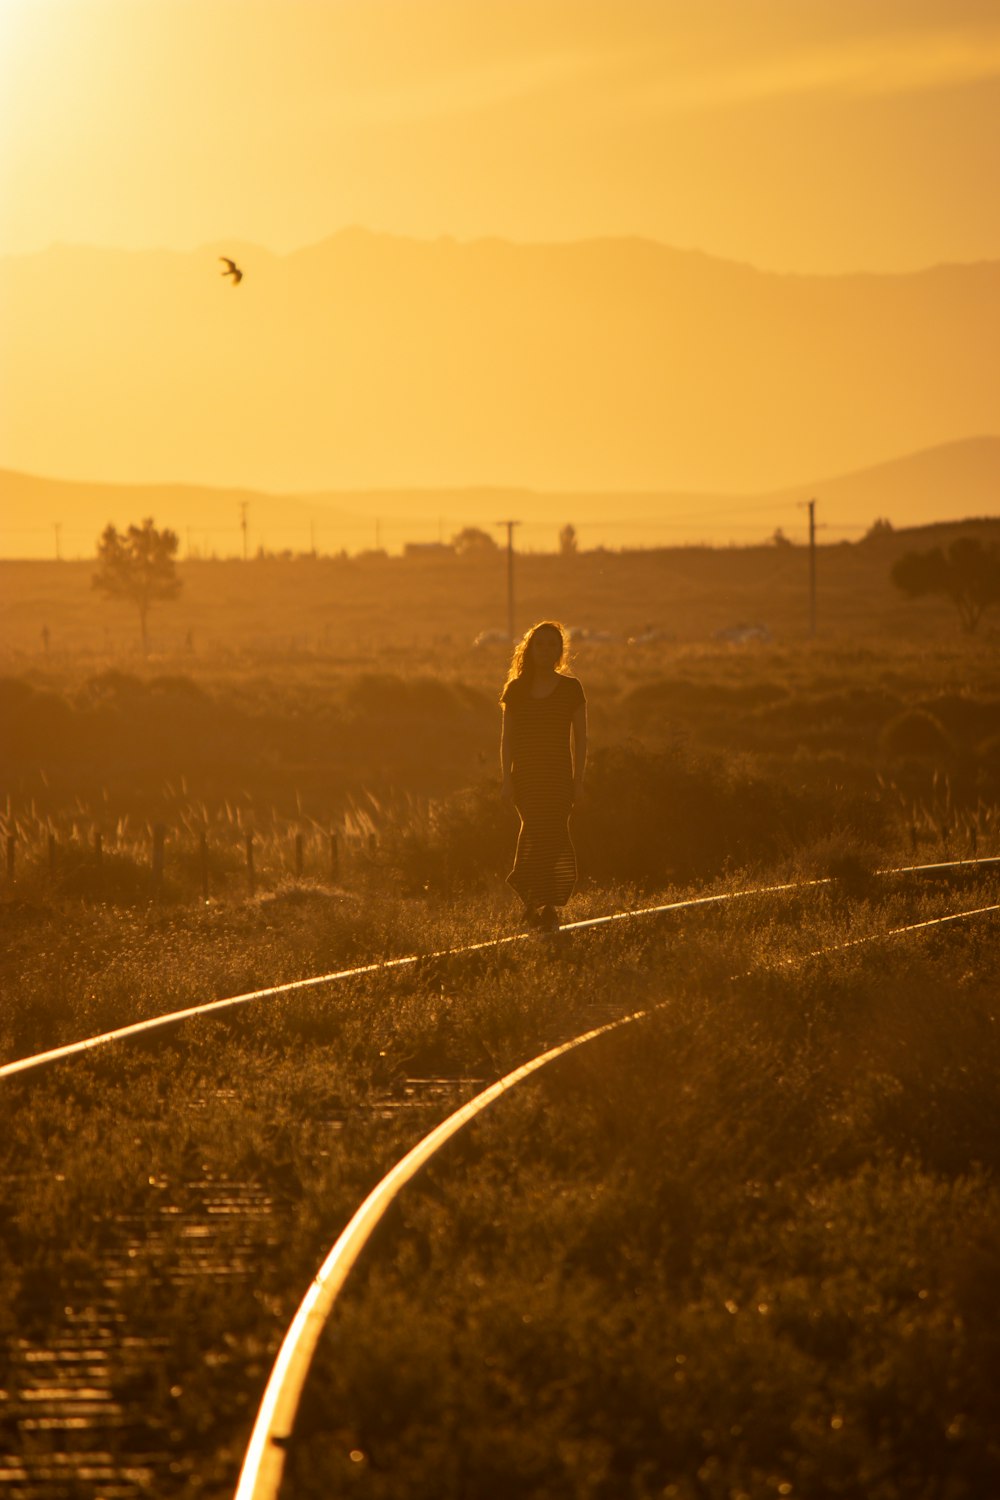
{"points": [[166, 122]]}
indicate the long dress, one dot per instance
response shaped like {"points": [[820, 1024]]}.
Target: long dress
{"points": [[544, 872]]}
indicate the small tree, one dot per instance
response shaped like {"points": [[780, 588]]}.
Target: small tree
{"points": [[568, 543], [968, 574], [472, 540], [138, 565]]}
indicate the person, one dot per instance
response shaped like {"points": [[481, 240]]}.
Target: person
{"points": [[543, 756]]}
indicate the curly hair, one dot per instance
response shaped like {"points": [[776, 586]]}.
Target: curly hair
{"points": [[521, 664]]}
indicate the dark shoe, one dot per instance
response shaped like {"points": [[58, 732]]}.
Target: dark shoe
{"points": [[548, 919]]}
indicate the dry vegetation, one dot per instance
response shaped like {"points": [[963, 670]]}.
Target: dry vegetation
{"points": [[722, 1253], [748, 1249]]}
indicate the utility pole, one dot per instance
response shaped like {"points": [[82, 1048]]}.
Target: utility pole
{"points": [[812, 564], [243, 525], [57, 528], [510, 575]]}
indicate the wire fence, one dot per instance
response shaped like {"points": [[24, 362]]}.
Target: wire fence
{"points": [[200, 857]]}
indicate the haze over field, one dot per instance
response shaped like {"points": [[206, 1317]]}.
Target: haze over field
{"points": [[950, 483], [375, 361], [517, 314]]}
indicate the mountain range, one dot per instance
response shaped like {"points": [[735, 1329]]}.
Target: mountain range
{"points": [[951, 482], [376, 362]]}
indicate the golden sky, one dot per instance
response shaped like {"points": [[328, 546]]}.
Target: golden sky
{"points": [[810, 135]]}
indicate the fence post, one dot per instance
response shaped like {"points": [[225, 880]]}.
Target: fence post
{"points": [[251, 883], [11, 842], [52, 854], [203, 853], [298, 855], [334, 857], [159, 834]]}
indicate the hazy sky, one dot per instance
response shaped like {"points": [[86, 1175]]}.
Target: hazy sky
{"points": [[804, 135]]}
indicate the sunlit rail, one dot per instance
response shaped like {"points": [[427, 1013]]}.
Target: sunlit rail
{"points": [[215, 1007], [263, 1465]]}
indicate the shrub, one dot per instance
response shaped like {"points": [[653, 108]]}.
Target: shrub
{"points": [[651, 817], [919, 733]]}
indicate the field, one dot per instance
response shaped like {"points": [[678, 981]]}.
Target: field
{"points": [[746, 1247]]}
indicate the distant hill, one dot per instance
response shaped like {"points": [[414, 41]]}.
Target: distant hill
{"points": [[373, 361], [940, 485], [943, 483], [207, 520], [946, 483]]}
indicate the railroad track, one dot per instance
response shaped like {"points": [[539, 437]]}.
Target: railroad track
{"points": [[138, 1029], [64, 1400], [263, 1466]]}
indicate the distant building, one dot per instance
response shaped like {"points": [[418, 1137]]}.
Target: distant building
{"points": [[428, 549]]}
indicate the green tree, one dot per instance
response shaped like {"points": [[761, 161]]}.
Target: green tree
{"points": [[968, 574], [138, 565]]}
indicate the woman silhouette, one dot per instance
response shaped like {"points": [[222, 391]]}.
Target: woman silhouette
{"points": [[544, 709]]}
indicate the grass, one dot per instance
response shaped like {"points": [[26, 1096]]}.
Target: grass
{"points": [[589, 1231], [732, 757], [747, 1249], [688, 1261]]}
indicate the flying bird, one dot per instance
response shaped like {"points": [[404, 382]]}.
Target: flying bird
{"points": [[232, 269]]}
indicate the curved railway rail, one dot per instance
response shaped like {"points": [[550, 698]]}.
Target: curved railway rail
{"points": [[261, 1472], [230, 1002], [263, 1466]]}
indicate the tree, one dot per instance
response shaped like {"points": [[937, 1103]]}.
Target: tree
{"points": [[138, 565], [968, 574], [568, 543], [472, 540]]}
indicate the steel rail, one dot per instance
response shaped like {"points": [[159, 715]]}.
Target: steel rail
{"points": [[264, 1461], [213, 1007]]}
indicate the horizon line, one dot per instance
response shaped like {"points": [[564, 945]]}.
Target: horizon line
{"points": [[487, 488], [240, 243]]}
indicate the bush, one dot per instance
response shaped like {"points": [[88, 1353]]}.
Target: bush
{"points": [[651, 817], [919, 733]]}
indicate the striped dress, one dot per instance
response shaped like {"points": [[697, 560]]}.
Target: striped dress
{"points": [[538, 729]]}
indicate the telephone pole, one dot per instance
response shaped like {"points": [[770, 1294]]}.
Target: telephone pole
{"points": [[812, 564], [243, 525], [510, 575]]}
